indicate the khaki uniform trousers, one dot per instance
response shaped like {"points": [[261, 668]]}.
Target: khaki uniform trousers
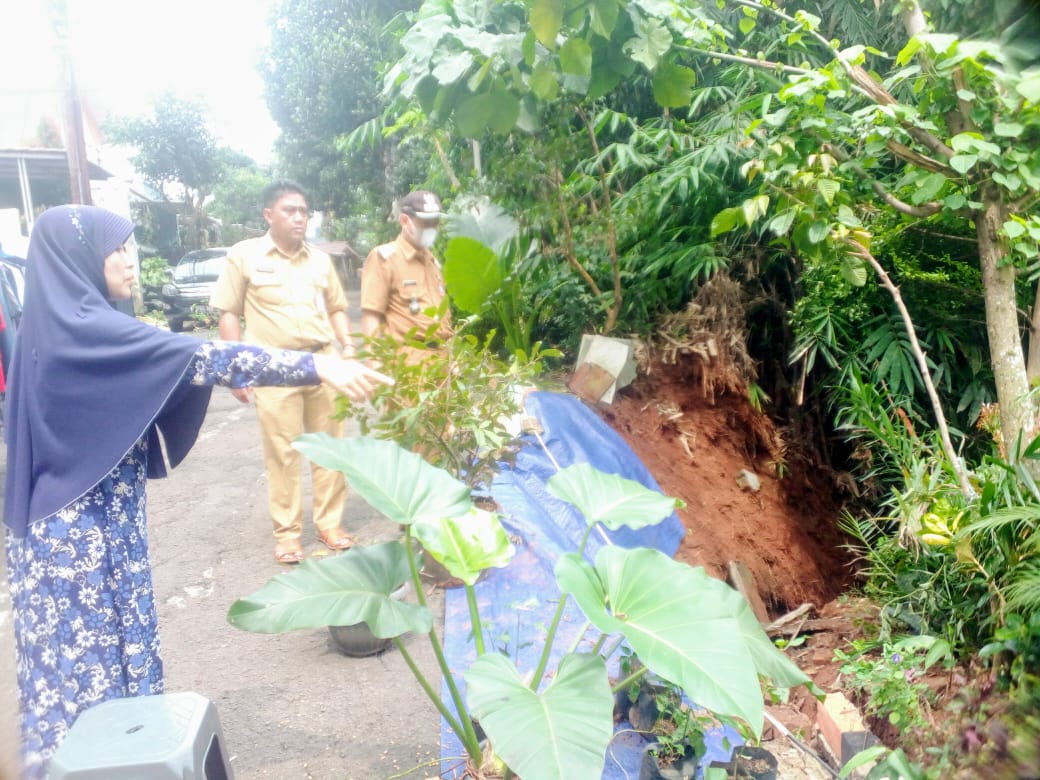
{"points": [[285, 413]]}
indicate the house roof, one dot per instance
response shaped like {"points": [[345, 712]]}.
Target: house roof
{"points": [[337, 248], [49, 164]]}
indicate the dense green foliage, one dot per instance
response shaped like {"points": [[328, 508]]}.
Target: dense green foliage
{"points": [[237, 203], [868, 172], [178, 155], [323, 82], [554, 723]]}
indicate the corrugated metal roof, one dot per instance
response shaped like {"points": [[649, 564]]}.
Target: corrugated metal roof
{"points": [[50, 164]]}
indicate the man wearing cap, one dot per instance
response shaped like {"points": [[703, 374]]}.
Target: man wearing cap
{"points": [[290, 296], [402, 280]]}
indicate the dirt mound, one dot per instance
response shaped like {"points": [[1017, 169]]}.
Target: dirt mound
{"points": [[697, 435]]}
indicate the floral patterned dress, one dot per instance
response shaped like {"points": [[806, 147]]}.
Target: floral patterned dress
{"points": [[81, 585]]}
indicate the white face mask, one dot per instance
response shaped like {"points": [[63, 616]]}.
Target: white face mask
{"points": [[427, 236]]}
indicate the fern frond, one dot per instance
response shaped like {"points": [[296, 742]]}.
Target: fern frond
{"points": [[1023, 594]]}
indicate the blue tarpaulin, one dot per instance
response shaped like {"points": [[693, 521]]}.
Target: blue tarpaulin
{"points": [[517, 603]]}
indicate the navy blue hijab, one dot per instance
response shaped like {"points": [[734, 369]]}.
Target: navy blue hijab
{"points": [[86, 381]]}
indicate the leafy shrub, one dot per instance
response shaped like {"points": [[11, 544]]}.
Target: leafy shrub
{"points": [[891, 680], [457, 406]]}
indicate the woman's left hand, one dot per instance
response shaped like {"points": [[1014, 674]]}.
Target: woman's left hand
{"points": [[352, 378]]}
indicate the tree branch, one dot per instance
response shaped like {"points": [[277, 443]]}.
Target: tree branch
{"points": [[446, 163], [777, 67], [615, 265], [860, 77], [913, 157], [922, 211], [922, 365], [568, 250]]}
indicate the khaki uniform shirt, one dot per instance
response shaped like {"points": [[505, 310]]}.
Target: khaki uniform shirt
{"points": [[395, 275], [286, 300]]}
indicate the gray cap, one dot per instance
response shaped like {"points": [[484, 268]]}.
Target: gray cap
{"points": [[421, 205]]}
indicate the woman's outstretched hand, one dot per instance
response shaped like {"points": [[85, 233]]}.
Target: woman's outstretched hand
{"points": [[351, 377]]}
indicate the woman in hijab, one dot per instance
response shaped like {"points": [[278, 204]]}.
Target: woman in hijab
{"points": [[89, 391]]}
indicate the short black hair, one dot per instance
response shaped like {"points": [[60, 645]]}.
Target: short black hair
{"points": [[274, 191]]}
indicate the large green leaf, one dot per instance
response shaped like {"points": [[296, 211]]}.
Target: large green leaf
{"points": [[650, 42], [467, 544], [473, 113], [673, 85], [603, 16], [396, 482], [487, 223], [505, 109], [451, 69], [546, 20], [725, 221], [680, 622], [543, 82], [471, 273], [353, 587], [610, 499], [576, 57], [853, 270], [559, 734]]}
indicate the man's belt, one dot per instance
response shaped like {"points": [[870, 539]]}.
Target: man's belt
{"points": [[317, 347]]}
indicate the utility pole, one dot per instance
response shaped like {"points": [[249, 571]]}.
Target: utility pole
{"points": [[76, 147], [75, 144]]}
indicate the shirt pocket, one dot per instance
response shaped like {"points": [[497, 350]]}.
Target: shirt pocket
{"points": [[319, 288], [268, 289], [413, 289]]}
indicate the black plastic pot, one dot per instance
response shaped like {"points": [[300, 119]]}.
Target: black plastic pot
{"points": [[651, 769], [749, 762], [357, 640]]}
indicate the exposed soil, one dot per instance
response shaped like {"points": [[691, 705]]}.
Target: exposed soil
{"points": [[697, 440], [696, 434], [696, 445]]}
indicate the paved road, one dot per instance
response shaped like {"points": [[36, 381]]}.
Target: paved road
{"points": [[290, 705]]}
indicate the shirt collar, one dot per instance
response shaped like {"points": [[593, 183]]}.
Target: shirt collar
{"points": [[411, 252], [271, 249]]}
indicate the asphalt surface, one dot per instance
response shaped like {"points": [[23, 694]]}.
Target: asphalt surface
{"points": [[290, 705]]}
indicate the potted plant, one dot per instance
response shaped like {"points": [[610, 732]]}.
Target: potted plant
{"points": [[748, 762], [461, 412], [357, 639], [657, 710], [678, 742], [684, 625]]}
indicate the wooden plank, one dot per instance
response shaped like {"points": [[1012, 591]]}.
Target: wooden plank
{"points": [[741, 578]]}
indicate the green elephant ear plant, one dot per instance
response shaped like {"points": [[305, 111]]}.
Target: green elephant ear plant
{"points": [[557, 723]]}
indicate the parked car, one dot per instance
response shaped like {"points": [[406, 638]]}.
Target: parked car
{"points": [[185, 296]]}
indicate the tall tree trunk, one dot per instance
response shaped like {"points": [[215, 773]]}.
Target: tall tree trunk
{"points": [[1033, 355], [1002, 327]]}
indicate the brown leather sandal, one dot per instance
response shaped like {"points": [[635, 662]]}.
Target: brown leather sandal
{"points": [[289, 556], [336, 539]]}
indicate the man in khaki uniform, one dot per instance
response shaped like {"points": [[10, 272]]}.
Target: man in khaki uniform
{"points": [[402, 279], [291, 297]]}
